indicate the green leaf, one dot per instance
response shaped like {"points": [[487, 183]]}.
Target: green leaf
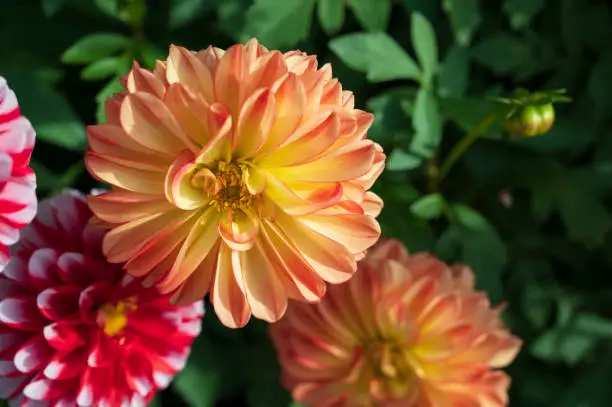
{"points": [[263, 396], [536, 304], [280, 24], [185, 11], [600, 83], [50, 7], [373, 15], [95, 46], [592, 324], [50, 113], [521, 12], [156, 402], [47, 181], [109, 90], [427, 124], [100, 69], [483, 249], [591, 388], [465, 19], [198, 382], [392, 117], [425, 45], [377, 54], [151, 53], [110, 7], [331, 15], [428, 207], [584, 216], [399, 160], [296, 404], [50, 183], [563, 345], [454, 73], [501, 53], [543, 200]]}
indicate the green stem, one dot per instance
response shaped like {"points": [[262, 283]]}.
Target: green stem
{"points": [[467, 140]]}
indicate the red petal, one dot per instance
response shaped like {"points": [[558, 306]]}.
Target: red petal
{"points": [[66, 365], [42, 268], [59, 303], [21, 313], [33, 355], [65, 336]]}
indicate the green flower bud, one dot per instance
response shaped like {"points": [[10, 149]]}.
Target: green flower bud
{"points": [[531, 120]]}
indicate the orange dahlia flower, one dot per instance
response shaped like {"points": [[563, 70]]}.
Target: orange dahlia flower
{"points": [[406, 331], [242, 172]]}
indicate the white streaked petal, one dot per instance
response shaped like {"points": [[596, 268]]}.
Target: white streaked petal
{"points": [[162, 380], [85, 397], [33, 354], [37, 389]]}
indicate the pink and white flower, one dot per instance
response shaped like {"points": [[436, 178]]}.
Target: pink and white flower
{"points": [[74, 329], [17, 180]]}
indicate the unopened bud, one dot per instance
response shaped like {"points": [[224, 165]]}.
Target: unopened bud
{"points": [[531, 120]]}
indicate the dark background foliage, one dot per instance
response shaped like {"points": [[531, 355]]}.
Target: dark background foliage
{"points": [[530, 216]]}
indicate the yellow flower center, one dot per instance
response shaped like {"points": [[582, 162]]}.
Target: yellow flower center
{"points": [[387, 364], [224, 182], [113, 318]]}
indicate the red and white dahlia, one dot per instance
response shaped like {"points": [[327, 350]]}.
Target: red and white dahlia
{"points": [[74, 329], [17, 180]]}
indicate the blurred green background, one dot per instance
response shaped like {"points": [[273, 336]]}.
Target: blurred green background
{"points": [[530, 215]]}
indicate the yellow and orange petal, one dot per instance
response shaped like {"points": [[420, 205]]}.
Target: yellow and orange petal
{"points": [[406, 330], [242, 173]]}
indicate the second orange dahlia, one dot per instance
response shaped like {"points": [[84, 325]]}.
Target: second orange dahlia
{"points": [[406, 331], [242, 172]]}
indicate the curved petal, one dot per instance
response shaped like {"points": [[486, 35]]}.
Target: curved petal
{"points": [[297, 198], [121, 176], [124, 241], [357, 232], [310, 140], [266, 71], [239, 229], [262, 287], [344, 164], [228, 300], [148, 121], [122, 206], [290, 99], [197, 246], [255, 180], [199, 283], [185, 68], [187, 109], [220, 130], [254, 123], [230, 78], [178, 184], [301, 279], [331, 261], [159, 250], [142, 80]]}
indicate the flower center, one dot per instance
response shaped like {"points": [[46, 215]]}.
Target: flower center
{"points": [[113, 318], [388, 364], [224, 182]]}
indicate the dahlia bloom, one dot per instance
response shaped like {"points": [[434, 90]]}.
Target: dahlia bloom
{"points": [[242, 172], [406, 331], [76, 330], [17, 180]]}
